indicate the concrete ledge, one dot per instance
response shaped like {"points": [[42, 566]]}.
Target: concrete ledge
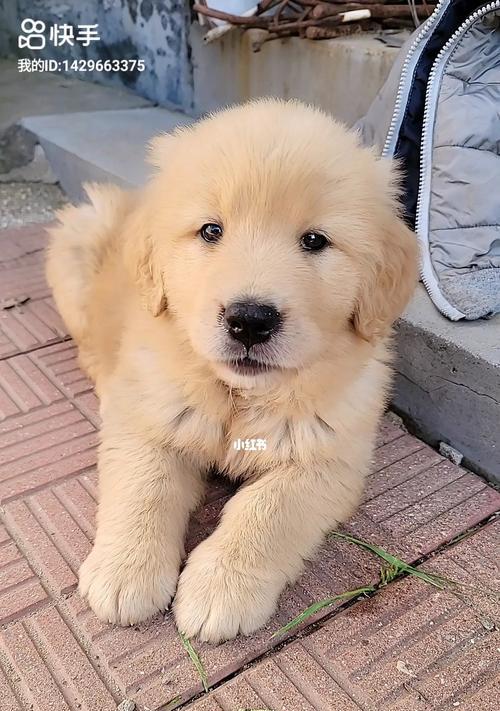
{"points": [[41, 93], [101, 146], [448, 383]]}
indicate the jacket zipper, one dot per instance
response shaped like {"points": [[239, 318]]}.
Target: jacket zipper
{"points": [[404, 86], [428, 275]]}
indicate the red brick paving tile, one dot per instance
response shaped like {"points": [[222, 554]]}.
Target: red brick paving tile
{"points": [[18, 392], [88, 404], [276, 690], [20, 590], [139, 659], [43, 437], [459, 517], [291, 681], [426, 509], [19, 244], [210, 704], [338, 567], [56, 527], [388, 432], [60, 364], [22, 281], [237, 694], [147, 662], [360, 526], [486, 547], [21, 599], [9, 701], [385, 679], [57, 433], [312, 680], [403, 495], [464, 671], [30, 326], [72, 456], [391, 476], [36, 322], [410, 647], [433, 633], [21, 429], [477, 566], [485, 699], [148, 658], [51, 669], [34, 683], [395, 450]]}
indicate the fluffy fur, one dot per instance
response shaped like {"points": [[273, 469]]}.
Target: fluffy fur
{"points": [[142, 295]]}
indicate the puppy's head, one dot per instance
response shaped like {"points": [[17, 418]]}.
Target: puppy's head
{"points": [[270, 234]]}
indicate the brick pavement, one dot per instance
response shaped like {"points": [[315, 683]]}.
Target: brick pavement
{"points": [[408, 647]]}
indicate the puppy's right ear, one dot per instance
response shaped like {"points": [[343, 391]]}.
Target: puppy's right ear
{"points": [[142, 263]]}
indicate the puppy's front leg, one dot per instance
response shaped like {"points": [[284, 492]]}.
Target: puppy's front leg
{"points": [[146, 494], [233, 579]]}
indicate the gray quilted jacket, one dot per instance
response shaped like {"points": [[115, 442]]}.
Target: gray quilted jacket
{"points": [[439, 113]]}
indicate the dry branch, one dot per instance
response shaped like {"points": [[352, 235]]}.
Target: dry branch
{"points": [[317, 19]]}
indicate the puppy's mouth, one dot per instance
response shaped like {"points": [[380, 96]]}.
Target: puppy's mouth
{"points": [[249, 366]]}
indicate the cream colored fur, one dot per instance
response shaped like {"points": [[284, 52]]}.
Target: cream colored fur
{"points": [[141, 293]]}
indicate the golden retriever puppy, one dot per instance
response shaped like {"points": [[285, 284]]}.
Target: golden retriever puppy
{"points": [[246, 293]]}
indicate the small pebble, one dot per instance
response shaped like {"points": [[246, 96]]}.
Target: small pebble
{"points": [[126, 705], [450, 453], [488, 624], [395, 419]]}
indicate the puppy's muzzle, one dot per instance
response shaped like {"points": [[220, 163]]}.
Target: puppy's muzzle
{"points": [[251, 323]]}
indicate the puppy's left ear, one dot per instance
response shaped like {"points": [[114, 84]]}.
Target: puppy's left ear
{"points": [[389, 281], [142, 262]]}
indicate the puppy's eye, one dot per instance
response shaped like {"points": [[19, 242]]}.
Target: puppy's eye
{"points": [[211, 232], [313, 241]]}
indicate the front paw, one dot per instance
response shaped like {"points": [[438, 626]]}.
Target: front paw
{"points": [[125, 588], [215, 601]]}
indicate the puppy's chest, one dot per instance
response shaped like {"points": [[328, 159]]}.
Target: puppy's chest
{"points": [[244, 439], [261, 438]]}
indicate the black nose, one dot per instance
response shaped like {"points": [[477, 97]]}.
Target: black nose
{"points": [[251, 323]]}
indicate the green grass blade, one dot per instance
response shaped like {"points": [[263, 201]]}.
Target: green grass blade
{"points": [[316, 606], [388, 573], [173, 703], [394, 562], [198, 664]]}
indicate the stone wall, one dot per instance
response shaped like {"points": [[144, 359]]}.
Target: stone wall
{"points": [[156, 31]]}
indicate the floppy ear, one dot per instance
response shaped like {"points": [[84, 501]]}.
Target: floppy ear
{"points": [[388, 283], [142, 263]]}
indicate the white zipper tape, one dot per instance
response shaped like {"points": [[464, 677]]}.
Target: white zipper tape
{"points": [[428, 274], [407, 70]]}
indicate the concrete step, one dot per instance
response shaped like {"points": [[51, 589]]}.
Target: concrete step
{"points": [[101, 145], [448, 382], [40, 93]]}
